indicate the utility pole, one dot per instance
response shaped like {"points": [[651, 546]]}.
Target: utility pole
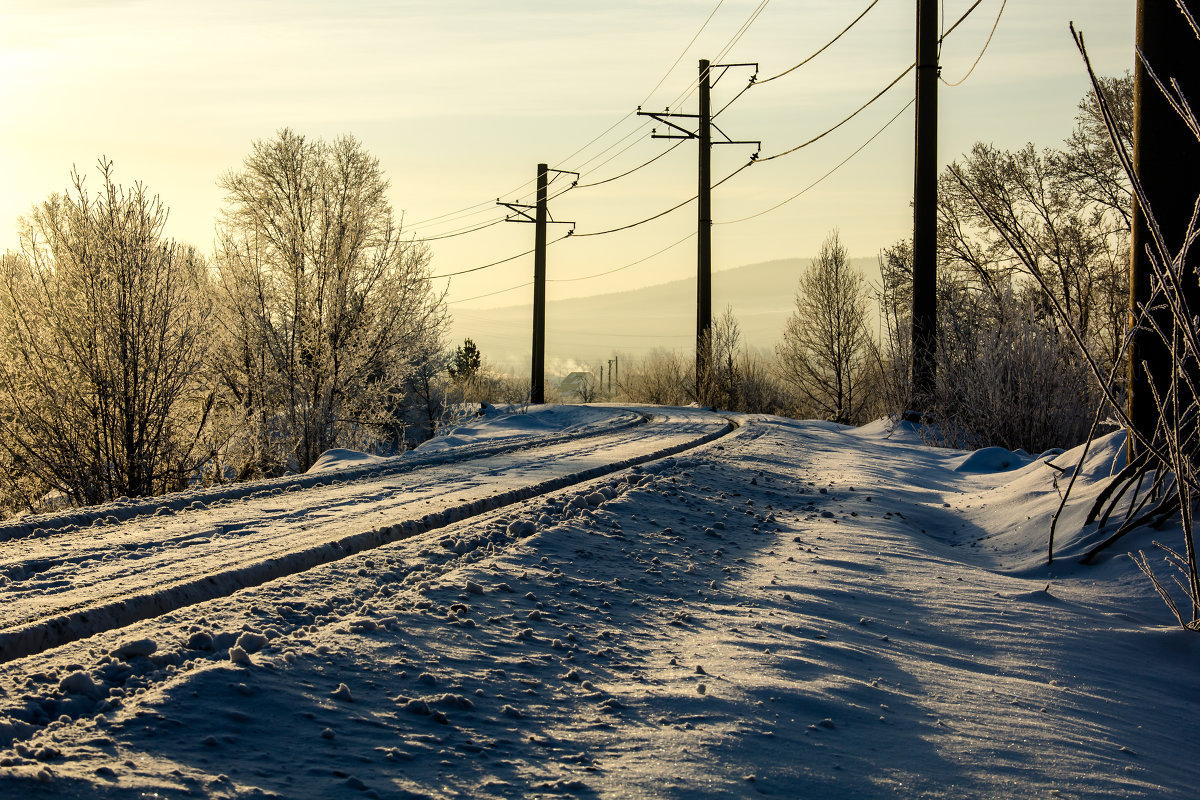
{"points": [[540, 218], [924, 252], [703, 134], [1166, 159], [704, 230]]}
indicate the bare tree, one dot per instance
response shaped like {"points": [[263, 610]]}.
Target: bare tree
{"points": [[661, 377], [825, 341], [717, 385], [1060, 217], [324, 299], [102, 335], [588, 388]]}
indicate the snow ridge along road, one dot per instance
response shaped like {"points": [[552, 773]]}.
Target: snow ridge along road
{"points": [[602, 422], [67, 585]]}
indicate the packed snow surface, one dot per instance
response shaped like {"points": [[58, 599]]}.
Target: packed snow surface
{"points": [[678, 608]]}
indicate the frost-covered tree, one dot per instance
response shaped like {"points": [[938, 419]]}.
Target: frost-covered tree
{"points": [[1058, 215], [825, 343], [323, 301], [103, 329], [661, 377], [720, 378]]}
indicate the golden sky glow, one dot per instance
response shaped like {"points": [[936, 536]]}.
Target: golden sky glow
{"points": [[460, 100]]}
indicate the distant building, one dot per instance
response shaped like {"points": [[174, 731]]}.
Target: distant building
{"points": [[577, 384]]}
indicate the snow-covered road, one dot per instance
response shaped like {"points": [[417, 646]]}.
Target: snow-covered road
{"points": [[63, 583], [794, 609]]}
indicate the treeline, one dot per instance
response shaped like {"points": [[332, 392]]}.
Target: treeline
{"points": [[1019, 233], [132, 364]]}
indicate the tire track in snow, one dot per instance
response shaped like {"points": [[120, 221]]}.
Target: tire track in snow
{"points": [[191, 499], [67, 625]]}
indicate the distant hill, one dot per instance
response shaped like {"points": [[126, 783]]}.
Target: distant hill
{"points": [[586, 331]]}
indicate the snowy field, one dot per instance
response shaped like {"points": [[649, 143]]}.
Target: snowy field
{"points": [[601, 602]]}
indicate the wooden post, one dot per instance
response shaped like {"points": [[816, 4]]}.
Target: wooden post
{"points": [[924, 301], [1166, 158], [537, 388], [704, 231]]}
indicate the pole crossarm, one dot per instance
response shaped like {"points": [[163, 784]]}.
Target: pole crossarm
{"points": [[726, 67], [521, 211], [663, 117]]}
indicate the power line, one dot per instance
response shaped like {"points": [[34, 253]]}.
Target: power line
{"points": [[627, 266], [461, 232], [494, 263], [462, 211], [857, 111], [966, 14], [491, 294], [979, 58], [480, 207], [741, 31], [629, 172], [745, 89], [625, 335], [671, 68], [824, 47], [661, 81], [840, 164], [631, 135], [663, 213]]}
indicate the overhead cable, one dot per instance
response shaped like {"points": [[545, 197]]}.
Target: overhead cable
{"points": [[627, 266], [959, 21], [629, 172], [494, 263], [684, 52], [742, 31], [663, 213], [857, 111], [461, 232], [490, 294], [840, 164], [823, 48], [634, 134], [979, 58]]}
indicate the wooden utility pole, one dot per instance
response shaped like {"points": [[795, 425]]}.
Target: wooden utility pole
{"points": [[537, 378], [924, 252], [540, 218], [1166, 159], [704, 229], [703, 135]]}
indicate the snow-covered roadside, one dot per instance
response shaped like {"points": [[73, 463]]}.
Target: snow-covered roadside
{"points": [[55, 587], [796, 610], [480, 438]]}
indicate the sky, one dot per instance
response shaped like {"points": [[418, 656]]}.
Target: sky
{"points": [[461, 99]]}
